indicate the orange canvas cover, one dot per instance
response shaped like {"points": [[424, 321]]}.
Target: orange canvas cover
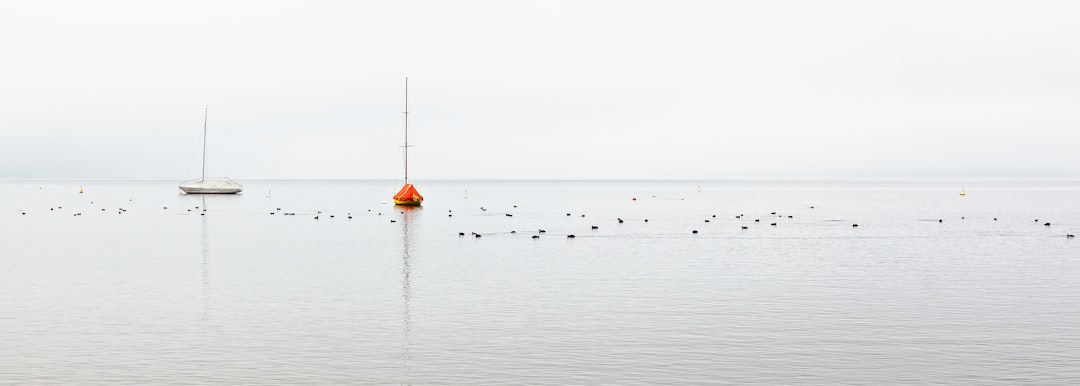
{"points": [[408, 193]]}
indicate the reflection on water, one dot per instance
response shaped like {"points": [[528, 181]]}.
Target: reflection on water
{"points": [[407, 217], [168, 296]]}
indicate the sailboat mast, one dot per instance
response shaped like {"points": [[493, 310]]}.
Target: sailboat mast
{"points": [[406, 129], [205, 113]]}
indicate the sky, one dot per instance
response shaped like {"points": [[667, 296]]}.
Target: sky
{"points": [[540, 89]]}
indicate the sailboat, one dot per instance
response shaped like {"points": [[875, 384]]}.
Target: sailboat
{"points": [[407, 196], [213, 185]]}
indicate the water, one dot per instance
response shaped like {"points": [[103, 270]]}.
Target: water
{"points": [[238, 295]]}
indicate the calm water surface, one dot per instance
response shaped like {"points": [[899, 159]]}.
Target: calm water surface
{"points": [[240, 296]]}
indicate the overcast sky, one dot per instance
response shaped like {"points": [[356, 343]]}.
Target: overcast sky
{"points": [[546, 89]]}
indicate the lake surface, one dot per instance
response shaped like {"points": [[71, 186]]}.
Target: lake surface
{"points": [[242, 296]]}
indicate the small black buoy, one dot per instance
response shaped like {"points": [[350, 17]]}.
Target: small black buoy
{"points": [[939, 220]]}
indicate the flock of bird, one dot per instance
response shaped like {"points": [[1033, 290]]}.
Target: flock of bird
{"points": [[202, 212]]}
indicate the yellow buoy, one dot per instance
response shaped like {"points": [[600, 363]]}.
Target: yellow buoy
{"points": [[80, 189]]}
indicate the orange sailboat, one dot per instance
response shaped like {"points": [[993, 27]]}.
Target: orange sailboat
{"points": [[407, 196]]}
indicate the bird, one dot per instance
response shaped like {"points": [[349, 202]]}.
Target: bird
{"points": [[271, 213], [595, 227], [535, 236], [646, 220], [461, 233], [570, 236], [1069, 236], [706, 220], [745, 227], [939, 220], [509, 215], [773, 224], [995, 218], [316, 217], [1047, 224], [790, 216], [568, 215], [393, 221], [694, 231], [582, 215], [757, 220], [772, 213], [541, 230], [854, 225], [477, 235], [513, 232], [714, 216], [331, 216], [620, 220]]}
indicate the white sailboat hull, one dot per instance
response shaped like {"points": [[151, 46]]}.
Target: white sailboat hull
{"points": [[211, 186]]}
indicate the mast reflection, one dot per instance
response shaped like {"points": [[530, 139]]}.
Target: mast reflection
{"points": [[409, 215]]}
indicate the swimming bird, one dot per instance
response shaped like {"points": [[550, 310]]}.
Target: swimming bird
{"points": [[541, 230], [790, 216], [1069, 236], [271, 213], [854, 225], [461, 233], [477, 235], [331, 216], [570, 236], [595, 227], [757, 220], [1047, 224], [773, 224], [745, 227], [316, 217], [393, 221], [513, 232], [694, 231], [995, 218], [535, 236], [772, 213], [714, 216], [568, 214], [646, 220], [620, 220], [706, 220], [939, 220], [509, 215], [582, 215]]}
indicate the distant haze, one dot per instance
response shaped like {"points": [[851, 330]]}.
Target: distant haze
{"points": [[545, 89]]}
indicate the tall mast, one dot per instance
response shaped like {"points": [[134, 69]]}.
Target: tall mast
{"points": [[406, 129], [205, 113]]}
